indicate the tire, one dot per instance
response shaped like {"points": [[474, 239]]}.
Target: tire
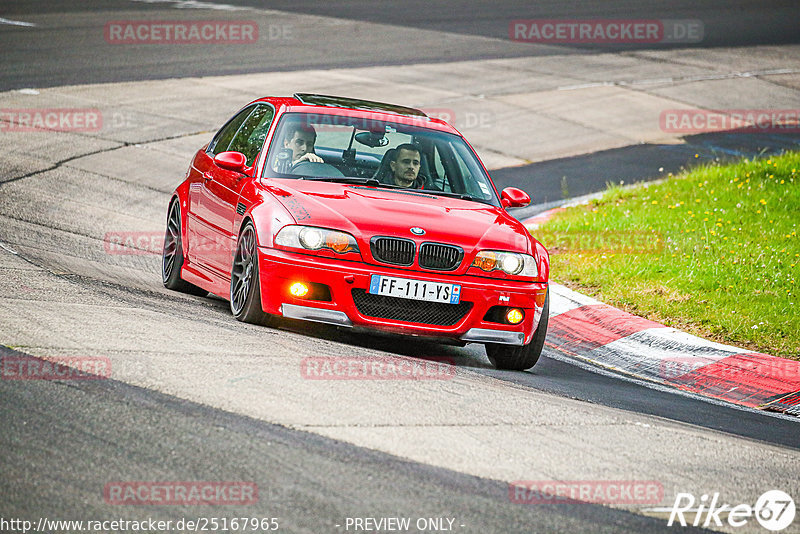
{"points": [[245, 293], [525, 357], [172, 255]]}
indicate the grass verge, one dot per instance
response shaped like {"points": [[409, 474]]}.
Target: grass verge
{"points": [[714, 251]]}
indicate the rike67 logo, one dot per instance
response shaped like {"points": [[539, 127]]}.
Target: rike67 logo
{"points": [[774, 510]]}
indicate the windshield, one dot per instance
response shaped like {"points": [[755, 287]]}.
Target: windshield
{"points": [[377, 153]]}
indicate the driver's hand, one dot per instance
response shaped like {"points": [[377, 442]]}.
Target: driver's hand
{"points": [[310, 156]]}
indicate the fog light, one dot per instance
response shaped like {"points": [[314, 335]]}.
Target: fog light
{"points": [[514, 316], [298, 289]]}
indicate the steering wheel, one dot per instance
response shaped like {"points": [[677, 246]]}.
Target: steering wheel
{"points": [[313, 168]]}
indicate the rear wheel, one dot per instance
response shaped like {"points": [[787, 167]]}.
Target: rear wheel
{"points": [[172, 255], [520, 358], [245, 281]]}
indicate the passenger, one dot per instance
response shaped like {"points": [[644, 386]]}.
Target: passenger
{"points": [[405, 167]]}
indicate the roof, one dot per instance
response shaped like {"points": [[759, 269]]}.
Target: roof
{"points": [[308, 102], [354, 103]]}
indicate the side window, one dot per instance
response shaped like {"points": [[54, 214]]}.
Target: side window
{"points": [[250, 137], [225, 135], [475, 181]]}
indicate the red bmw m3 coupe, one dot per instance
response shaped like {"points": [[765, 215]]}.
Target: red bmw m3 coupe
{"points": [[363, 215]]}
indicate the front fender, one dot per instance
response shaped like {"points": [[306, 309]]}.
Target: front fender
{"points": [[268, 216], [543, 260]]}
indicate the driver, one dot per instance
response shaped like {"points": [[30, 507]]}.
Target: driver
{"points": [[405, 166], [300, 140]]}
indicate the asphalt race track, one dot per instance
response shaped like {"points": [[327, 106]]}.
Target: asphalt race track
{"points": [[193, 395], [64, 49]]}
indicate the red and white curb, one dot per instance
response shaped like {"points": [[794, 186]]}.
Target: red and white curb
{"points": [[589, 330]]}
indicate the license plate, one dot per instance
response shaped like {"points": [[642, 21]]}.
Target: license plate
{"points": [[406, 288]]}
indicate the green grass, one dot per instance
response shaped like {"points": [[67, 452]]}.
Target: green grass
{"points": [[714, 251]]}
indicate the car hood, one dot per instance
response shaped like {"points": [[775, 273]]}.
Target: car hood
{"points": [[369, 211]]}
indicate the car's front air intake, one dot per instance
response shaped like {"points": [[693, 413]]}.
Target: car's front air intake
{"points": [[412, 311]]}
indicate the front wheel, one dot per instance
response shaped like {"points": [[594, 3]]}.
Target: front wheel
{"points": [[524, 357], [245, 281]]}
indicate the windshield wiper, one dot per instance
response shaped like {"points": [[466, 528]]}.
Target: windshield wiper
{"points": [[352, 180], [462, 196], [375, 183]]}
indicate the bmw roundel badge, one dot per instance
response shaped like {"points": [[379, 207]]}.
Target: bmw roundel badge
{"points": [[416, 230]]}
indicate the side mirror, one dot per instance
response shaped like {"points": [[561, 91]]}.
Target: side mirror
{"points": [[232, 161], [511, 197]]}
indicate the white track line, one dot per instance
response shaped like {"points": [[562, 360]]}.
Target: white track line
{"points": [[194, 4], [4, 247], [16, 22]]}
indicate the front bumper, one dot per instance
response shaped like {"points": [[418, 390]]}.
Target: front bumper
{"points": [[279, 269]]}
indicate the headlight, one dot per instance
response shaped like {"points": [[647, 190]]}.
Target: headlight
{"points": [[313, 238], [511, 263]]}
